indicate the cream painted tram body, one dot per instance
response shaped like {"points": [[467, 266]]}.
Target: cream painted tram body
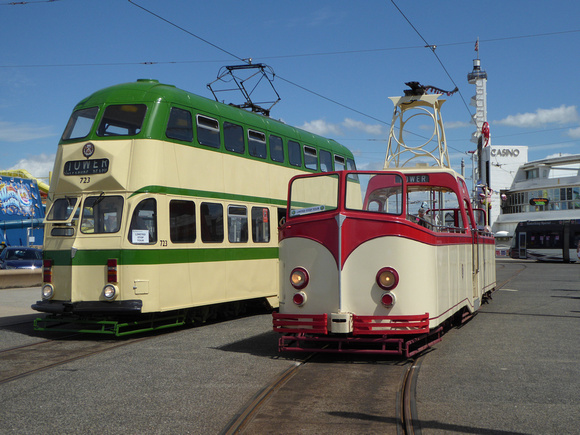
{"points": [[163, 201], [361, 271]]}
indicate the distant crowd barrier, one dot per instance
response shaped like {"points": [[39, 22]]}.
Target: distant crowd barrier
{"points": [[13, 278]]}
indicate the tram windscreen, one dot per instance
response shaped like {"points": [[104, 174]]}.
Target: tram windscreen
{"points": [[314, 195], [102, 214], [80, 123], [382, 193], [61, 209], [122, 120]]}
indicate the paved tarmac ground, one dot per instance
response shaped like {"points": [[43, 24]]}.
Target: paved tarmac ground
{"points": [[513, 369]]}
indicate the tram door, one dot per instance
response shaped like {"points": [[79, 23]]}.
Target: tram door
{"points": [[522, 245]]}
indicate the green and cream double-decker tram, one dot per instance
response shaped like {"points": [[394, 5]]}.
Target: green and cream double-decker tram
{"points": [[165, 205]]}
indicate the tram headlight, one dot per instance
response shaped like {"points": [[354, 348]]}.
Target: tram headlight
{"points": [[299, 278], [299, 298], [47, 292], [387, 278], [110, 292]]}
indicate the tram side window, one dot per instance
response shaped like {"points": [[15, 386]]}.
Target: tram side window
{"points": [[234, 137], [260, 225], [122, 120], [182, 221], [102, 214], [325, 161], [208, 131], [237, 224], [143, 229], [80, 123], [310, 158], [339, 164], [257, 144], [212, 223], [470, 222], [294, 153], [276, 149], [179, 125]]}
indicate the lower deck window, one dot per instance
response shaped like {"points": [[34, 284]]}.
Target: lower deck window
{"points": [[182, 221], [237, 224], [143, 229], [260, 225], [212, 223]]}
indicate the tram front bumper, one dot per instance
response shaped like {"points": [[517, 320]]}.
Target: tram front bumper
{"points": [[61, 307]]}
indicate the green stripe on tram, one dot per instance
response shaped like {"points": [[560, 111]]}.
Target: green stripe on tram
{"points": [[160, 256], [209, 194]]}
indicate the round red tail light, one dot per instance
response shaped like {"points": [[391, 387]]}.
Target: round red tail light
{"points": [[387, 278], [388, 299], [299, 278], [299, 298]]}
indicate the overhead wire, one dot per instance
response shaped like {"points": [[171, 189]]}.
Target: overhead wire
{"points": [[427, 45], [246, 61], [433, 48]]}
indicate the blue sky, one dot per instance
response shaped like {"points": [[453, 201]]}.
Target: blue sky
{"points": [[336, 63]]}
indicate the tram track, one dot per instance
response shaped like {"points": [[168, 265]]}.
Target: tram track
{"points": [[322, 395], [21, 361], [406, 404]]}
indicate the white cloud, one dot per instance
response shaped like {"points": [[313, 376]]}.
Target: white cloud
{"points": [[11, 132], [39, 166], [456, 124], [321, 128], [373, 129], [574, 133], [558, 115]]}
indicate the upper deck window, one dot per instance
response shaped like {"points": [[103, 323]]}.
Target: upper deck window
{"points": [[257, 144], [122, 120], [325, 161], [80, 123], [208, 131], [310, 158], [339, 164], [179, 125], [276, 149], [294, 153], [234, 137]]}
